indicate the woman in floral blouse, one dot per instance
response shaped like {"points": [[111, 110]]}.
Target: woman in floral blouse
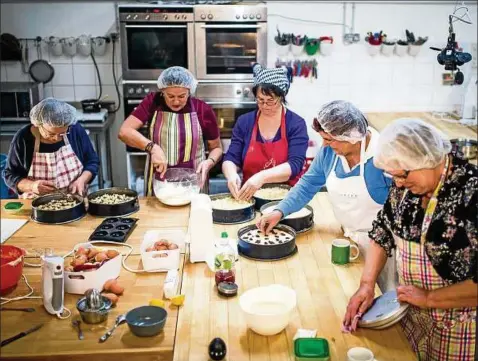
{"points": [[431, 219]]}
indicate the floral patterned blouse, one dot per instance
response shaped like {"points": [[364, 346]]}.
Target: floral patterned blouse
{"points": [[452, 238]]}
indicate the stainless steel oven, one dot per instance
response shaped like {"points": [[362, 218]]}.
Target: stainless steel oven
{"points": [[229, 39], [17, 99], [155, 37]]}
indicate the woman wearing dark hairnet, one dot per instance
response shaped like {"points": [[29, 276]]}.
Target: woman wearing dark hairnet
{"points": [[431, 219], [180, 128], [53, 153], [344, 164]]}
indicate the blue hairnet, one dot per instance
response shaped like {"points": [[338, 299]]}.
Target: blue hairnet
{"points": [[343, 121], [177, 76], [53, 112], [410, 144]]}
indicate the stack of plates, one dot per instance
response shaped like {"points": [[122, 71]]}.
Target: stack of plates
{"points": [[385, 311]]}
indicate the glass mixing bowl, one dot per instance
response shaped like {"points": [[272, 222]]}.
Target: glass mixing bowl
{"points": [[177, 186]]}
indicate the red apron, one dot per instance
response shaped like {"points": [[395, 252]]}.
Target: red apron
{"points": [[261, 156]]}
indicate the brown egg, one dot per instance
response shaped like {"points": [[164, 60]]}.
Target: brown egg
{"points": [[111, 296], [161, 248], [93, 252], [173, 246], [108, 284], [69, 268], [150, 249], [112, 253], [116, 289], [80, 260], [101, 257], [81, 251]]}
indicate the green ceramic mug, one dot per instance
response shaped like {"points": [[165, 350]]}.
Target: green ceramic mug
{"points": [[341, 251]]}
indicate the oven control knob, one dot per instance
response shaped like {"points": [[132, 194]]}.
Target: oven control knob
{"points": [[203, 16], [146, 17], [176, 17], [246, 92], [210, 16], [251, 16], [128, 17], [184, 16], [135, 17], [130, 91], [146, 90], [238, 16], [258, 16], [165, 17], [244, 16], [238, 91], [139, 90]]}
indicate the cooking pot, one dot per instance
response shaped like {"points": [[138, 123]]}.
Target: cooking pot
{"points": [[11, 267], [465, 146], [90, 105]]}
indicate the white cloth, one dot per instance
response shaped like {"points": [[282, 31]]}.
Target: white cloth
{"points": [[355, 209]]}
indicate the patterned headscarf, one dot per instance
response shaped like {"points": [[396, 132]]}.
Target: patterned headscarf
{"points": [[274, 76]]}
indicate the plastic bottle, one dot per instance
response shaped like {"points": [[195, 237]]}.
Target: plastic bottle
{"points": [[224, 262]]}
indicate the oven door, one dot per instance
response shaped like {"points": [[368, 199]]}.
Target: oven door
{"points": [[148, 49], [129, 106], [227, 51]]}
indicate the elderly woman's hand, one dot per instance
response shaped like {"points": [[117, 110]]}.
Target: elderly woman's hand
{"points": [[413, 295], [159, 160], [358, 304], [251, 186], [269, 221], [41, 187], [78, 186], [203, 169], [234, 185]]}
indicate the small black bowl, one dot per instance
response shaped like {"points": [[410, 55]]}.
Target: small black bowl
{"points": [[113, 210], [146, 321], [261, 201], [57, 217]]}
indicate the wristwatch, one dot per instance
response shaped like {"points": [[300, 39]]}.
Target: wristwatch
{"points": [[149, 147]]}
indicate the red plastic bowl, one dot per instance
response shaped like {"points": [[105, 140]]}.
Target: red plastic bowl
{"points": [[11, 267]]}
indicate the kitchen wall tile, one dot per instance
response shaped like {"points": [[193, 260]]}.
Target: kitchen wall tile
{"points": [[106, 74], [48, 91], [360, 94], [85, 92], [80, 59], [14, 71], [340, 74], [402, 74], [84, 74], [66, 93], [360, 73], [3, 74], [63, 74], [423, 73], [422, 95], [62, 59], [339, 92], [381, 75]]}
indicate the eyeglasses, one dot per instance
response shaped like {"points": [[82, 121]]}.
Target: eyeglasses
{"points": [[49, 134], [400, 178], [269, 103]]}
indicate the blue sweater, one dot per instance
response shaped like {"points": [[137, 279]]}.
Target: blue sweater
{"points": [[20, 155], [302, 193], [297, 138]]}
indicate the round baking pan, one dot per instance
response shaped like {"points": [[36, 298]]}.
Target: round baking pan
{"points": [[113, 210], [57, 217], [269, 251], [262, 201], [384, 312], [232, 216], [300, 224]]}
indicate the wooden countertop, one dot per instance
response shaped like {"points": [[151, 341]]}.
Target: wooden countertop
{"points": [[323, 290]]}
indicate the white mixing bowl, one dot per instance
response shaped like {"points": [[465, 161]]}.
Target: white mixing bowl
{"points": [[268, 309]]}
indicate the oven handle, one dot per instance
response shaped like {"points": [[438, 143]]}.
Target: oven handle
{"points": [[156, 26], [232, 26], [138, 101]]}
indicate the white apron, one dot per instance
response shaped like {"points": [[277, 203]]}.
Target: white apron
{"points": [[355, 209]]}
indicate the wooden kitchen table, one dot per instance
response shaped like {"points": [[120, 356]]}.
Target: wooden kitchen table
{"points": [[323, 290]]}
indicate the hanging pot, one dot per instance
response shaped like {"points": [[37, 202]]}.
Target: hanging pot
{"points": [[10, 48], [41, 71], [91, 105]]}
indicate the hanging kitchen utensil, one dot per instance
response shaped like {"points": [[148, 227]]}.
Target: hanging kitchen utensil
{"points": [[311, 46], [84, 45], [10, 48], [69, 46], [99, 45], [40, 70], [55, 46], [25, 61]]}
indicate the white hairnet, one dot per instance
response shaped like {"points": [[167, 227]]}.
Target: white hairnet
{"points": [[53, 112], [410, 144], [177, 76], [343, 121]]}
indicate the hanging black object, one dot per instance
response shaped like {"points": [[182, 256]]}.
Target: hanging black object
{"points": [[10, 48], [41, 71]]}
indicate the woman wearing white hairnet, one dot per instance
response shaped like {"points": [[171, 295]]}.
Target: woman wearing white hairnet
{"points": [[53, 153], [344, 164], [180, 127], [431, 219]]}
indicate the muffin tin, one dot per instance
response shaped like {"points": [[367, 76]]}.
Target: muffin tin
{"points": [[114, 229]]}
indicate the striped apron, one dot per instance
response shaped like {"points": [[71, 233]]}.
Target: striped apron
{"points": [[434, 334], [180, 137], [61, 167]]}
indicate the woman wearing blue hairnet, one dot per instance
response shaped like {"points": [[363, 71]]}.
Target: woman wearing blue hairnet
{"points": [[180, 128], [356, 188], [53, 153], [431, 219]]}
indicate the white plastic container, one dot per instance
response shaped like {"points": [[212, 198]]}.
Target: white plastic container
{"points": [[201, 229], [268, 309], [152, 261], [387, 50], [79, 282], [372, 49], [401, 50], [326, 48], [296, 50], [171, 283], [283, 50], [413, 50]]}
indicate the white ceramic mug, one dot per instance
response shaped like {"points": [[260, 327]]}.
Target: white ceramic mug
{"points": [[360, 354]]}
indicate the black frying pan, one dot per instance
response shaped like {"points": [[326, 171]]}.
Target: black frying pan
{"points": [[40, 70]]}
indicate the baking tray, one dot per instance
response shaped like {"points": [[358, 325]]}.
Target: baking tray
{"points": [[114, 229], [300, 225], [232, 216]]}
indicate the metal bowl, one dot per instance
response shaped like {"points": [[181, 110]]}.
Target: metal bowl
{"points": [[94, 316], [57, 217], [146, 321], [113, 210], [232, 216], [467, 147], [261, 201]]}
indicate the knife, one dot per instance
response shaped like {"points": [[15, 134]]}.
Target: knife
{"points": [[20, 335]]}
